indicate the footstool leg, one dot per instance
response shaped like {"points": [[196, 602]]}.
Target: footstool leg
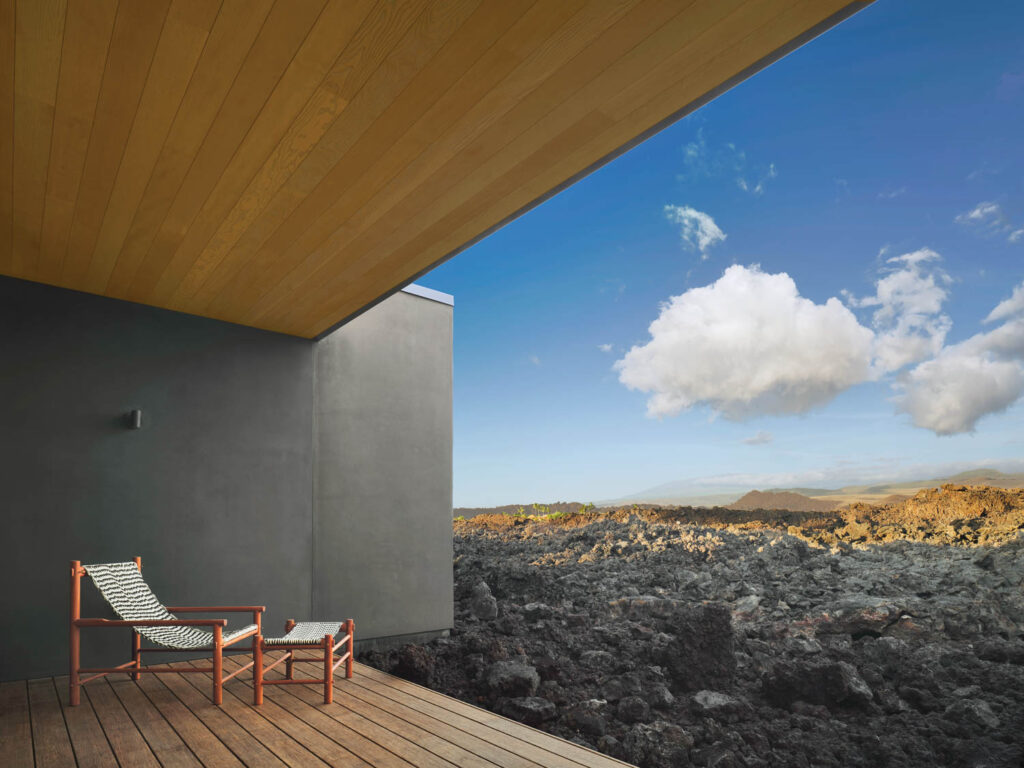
{"points": [[328, 669], [288, 670]]}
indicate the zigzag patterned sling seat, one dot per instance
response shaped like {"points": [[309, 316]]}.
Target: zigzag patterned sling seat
{"points": [[123, 587]]}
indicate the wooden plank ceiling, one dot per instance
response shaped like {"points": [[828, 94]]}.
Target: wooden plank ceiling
{"points": [[283, 164]]}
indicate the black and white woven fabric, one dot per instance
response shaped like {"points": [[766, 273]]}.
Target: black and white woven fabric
{"points": [[306, 633], [122, 586]]}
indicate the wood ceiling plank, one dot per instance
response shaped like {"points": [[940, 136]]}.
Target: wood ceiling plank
{"points": [[300, 109], [396, 64], [39, 31], [182, 40], [410, 126], [495, 153], [689, 38], [132, 46], [7, 38], [230, 40], [698, 67], [375, 147], [444, 230], [280, 39], [386, 24], [87, 32], [494, 110]]}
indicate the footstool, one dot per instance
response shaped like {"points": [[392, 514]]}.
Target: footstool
{"points": [[306, 636]]}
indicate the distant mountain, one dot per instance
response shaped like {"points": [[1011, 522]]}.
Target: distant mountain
{"points": [[794, 502], [990, 477], [681, 492]]}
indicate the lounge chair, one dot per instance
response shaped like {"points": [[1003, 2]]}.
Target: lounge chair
{"points": [[122, 586]]}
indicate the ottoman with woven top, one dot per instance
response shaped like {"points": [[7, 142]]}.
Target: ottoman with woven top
{"points": [[317, 636]]}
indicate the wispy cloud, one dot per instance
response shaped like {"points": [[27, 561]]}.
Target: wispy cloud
{"points": [[989, 218], [842, 189], [756, 187], [534, 359], [1011, 86], [697, 229], [1008, 307], [892, 194], [703, 160], [985, 169], [761, 438], [605, 347]]}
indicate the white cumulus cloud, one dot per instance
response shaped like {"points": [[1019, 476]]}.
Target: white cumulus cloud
{"points": [[697, 229], [908, 322], [950, 393], [748, 344], [977, 377]]}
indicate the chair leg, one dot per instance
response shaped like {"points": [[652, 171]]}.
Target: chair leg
{"points": [[257, 671], [351, 629], [328, 669], [74, 647], [218, 666], [136, 653]]}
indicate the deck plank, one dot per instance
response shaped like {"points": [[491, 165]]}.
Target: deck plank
{"points": [[49, 732], [190, 729], [323, 747], [245, 745], [15, 726], [569, 755], [388, 739], [129, 746], [286, 748], [87, 738], [352, 710], [170, 750], [478, 746]]}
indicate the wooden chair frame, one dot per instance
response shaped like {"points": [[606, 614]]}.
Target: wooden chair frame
{"points": [[134, 667], [326, 652]]}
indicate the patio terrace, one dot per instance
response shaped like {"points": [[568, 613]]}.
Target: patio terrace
{"points": [[167, 720]]}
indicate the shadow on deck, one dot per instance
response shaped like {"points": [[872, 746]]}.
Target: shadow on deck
{"points": [[167, 720]]}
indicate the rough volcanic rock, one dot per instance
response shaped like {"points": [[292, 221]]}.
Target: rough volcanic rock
{"points": [[531, 710], [829, 684], [482, 602], [510, 678], [881, 636]]}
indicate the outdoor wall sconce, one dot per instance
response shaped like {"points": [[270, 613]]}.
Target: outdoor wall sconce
{"points": [[134, 419]]}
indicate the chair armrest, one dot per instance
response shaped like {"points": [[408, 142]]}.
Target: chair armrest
{"points": [[240, 638], [217, 608], [151, 623]]}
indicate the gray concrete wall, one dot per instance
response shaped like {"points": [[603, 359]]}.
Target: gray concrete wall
{"points": [[383, 489], [216, 491]]}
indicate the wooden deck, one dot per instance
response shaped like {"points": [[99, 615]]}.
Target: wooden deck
{"points": [[168, 720]]}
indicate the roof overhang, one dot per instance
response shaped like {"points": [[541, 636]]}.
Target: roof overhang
{"points": [[287, 164]]}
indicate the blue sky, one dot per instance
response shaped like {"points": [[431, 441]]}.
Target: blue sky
{"points": [[898, 132]]}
